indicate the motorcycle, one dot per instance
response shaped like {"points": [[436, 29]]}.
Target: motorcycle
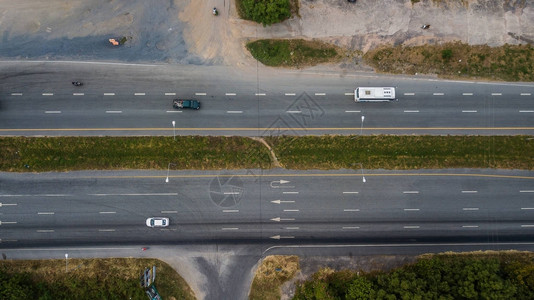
{"points": [[215, 12], [77, 83], [425, 26]]}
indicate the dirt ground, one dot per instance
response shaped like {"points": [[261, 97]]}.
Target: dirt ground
{"points": [[185, 31]]}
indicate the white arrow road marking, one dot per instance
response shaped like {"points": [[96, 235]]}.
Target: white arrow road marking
{"points": [[278, 219], [277, 237], [282, 201]]}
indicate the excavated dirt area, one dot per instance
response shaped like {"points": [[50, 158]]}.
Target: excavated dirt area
{"points": [[185, 31]]}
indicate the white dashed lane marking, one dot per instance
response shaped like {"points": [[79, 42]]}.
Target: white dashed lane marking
{"points": [[53, 112], [109, 94]]}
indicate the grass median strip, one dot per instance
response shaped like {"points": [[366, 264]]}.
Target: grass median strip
{"points": [[41, 154]]}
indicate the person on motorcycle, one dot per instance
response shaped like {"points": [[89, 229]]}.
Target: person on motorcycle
{"points": [[76, 83], [215, 12]]}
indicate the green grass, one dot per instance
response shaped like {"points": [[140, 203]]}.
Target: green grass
{"points": [[404, 152], [292, 53], [457, 60], [307, 152], [104, 153], [111, 278]]}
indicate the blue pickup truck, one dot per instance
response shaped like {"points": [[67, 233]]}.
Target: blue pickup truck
{"points": [[182, 103]]}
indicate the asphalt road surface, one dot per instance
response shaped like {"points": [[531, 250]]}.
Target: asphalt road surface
{"points": [[273, 207], [37, 98]]}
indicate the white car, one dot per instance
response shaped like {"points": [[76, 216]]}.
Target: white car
{"points": [[157, 222]]}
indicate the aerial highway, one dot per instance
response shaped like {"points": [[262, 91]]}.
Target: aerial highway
{"points": [[269, 207], [37, 98]]}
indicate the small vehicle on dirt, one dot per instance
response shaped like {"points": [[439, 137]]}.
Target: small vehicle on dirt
{"points": [[183, 103]]}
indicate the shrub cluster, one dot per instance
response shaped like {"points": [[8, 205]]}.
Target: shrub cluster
{"points": [[266, 12]]}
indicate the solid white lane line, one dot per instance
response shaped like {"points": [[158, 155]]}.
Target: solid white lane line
{"points": [[170, 94], [469, 111], [411, 111], [350, 192], [524, 94], [409, 94], [53, 112], [350, 227], [527, 208], [469, 226], [169, 211], [290, 192], [200, 94], [410, 192], [230, 210], [293, 111], [292, 228], [351, 209], [259, 94], [470, 208], [139, 94], [320, 94], [174, 111], [147, 194], [349, 94], [526, 111], [467, 94], [113, 111], [411, 209], [229, 228], [45, 213], [48, 94], [411, 227], [527, 191], [290, 94], [353, 111], [527, 225], [37, 195], [438, 94], [469, 192], [78, 94], [106, 230], [230, 94], [16, 94], [234, 111], [496, 94], [107, 212], [291, 210], [109, 94], [45, 230]]}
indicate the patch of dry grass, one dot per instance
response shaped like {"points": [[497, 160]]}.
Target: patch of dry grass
{"points": [[105, 273], [457, 60], [271, 274]]}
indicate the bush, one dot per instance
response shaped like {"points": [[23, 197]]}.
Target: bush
{"points": [[266, 12]]}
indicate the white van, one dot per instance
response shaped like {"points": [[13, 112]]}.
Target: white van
{"points": [[374, 94]]}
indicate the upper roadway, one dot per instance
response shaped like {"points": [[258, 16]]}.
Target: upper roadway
{"points": [[37, 98]]}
